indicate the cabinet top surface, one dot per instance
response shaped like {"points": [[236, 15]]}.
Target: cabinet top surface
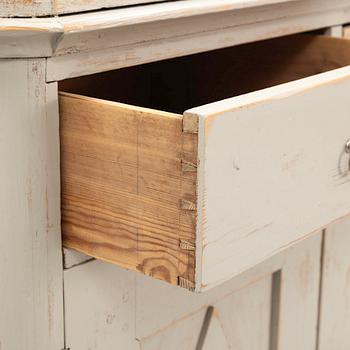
{"points": [[35, 8]]}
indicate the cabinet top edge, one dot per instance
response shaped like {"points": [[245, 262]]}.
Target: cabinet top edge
{"points": [[124, 16], [79, 28], [24, 10]]}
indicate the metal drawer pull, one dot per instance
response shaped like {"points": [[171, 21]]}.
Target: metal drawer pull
{"points": [[347, 150]]}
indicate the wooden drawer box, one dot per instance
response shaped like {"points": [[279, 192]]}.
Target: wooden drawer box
{"points": [[196, 198]]}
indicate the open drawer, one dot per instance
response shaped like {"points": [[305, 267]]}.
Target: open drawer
{"points": [[196, 198]]}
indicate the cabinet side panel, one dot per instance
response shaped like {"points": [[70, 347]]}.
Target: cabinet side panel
{"points": [[31, 299]]}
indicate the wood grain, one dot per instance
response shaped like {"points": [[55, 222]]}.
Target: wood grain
{"points": [[142, 164], [122, 184]]}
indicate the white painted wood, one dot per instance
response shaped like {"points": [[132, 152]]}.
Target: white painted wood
{"points": [[31, 299], [161, 12], [181, 335], [335, 306], [23, 8], [28, 37], [297, 310], [99, 307], [153, 296], [86, 38], [275, 180], [334, 311], [245, 312], [150, 42], [51, 260], [216, 339], [103, 305], [73, 258], [129, 26], [67, 6], [299, 295]]}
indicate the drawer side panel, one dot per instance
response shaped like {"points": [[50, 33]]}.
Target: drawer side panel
{"points": [[124, 185]]}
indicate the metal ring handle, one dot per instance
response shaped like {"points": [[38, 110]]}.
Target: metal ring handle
{"points": [[347, 150], [347, 146]]}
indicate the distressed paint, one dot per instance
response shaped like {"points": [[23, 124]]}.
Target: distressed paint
{"points": [[242, 307], [31, 299], [99, 307], [33, 8], [334, 307], [275, 137], [93, 40], [186, 39], [295, 264], [72, 258]]}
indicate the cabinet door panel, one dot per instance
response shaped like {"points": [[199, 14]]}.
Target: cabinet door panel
{"points": [[272, 306], [335, 305]]}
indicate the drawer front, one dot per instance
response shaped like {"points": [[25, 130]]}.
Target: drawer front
{"points": [[273, 168], [198, 198]]}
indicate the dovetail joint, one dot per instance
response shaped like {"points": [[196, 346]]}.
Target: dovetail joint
{"points": [[187, 205], [184, 283], [188, 166], [185, 245], [190, 123]]}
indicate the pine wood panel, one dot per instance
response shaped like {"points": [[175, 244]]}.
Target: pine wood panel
{"points": [[123, 186]]}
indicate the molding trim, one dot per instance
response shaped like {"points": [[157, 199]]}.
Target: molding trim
{"points": [[102, 40]]}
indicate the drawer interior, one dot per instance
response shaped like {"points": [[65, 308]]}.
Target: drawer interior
{"points": [[178, 84]]}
